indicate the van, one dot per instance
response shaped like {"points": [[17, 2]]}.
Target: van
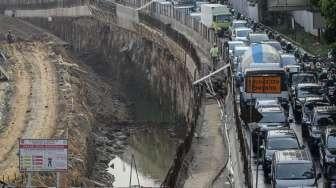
{"points": [[293, 168]]}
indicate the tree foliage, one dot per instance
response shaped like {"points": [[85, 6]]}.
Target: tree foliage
{"points": [[328, 10]]}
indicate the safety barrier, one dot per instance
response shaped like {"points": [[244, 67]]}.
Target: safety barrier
{"points": [[242, 137]]}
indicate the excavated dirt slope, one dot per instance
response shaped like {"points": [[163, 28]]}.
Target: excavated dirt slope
{"points": [[42, 102], [33, 106]]}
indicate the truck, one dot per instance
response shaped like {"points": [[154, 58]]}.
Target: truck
{"points": [[216, 16], [263, 77]]}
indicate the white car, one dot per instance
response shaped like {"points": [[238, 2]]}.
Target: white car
{"points": [[238, 52], [232, 45], [257, 37], [241, 34], [238, 23]]}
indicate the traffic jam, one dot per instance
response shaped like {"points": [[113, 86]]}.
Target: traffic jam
{"points": [[287, 104]]}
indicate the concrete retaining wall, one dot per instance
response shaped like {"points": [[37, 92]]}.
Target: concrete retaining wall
{"points": [[77, 11], [305, 19]]}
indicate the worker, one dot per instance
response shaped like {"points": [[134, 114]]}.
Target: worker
{"points": [[10, 37], [214, 53]]}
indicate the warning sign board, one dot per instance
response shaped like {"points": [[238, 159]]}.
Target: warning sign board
{"points": [[38, 155], [263, 84]]}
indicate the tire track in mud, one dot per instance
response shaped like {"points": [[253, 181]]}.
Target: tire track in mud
{"points": [[33, 105]]}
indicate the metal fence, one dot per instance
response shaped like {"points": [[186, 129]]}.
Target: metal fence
{"points": [[169, 11]]}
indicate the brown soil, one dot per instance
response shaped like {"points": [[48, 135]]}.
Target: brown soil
{"points": [[33, 105]]}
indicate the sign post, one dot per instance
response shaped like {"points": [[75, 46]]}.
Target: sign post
{"points": [[43, 155]]}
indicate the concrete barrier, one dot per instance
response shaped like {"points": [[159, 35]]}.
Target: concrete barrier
{"points": [[77, 11]]}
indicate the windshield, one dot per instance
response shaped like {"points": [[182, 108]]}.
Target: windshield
{"points": [[309, 106], [233, 45], [242, 33], [273, 117], [239, 24], [288, 60], [258, 38], [294, 171], [310, 91], [282, 143], [331, 143], [302, 79], [222, 18], [275, 45], [238, 53], [325, 120]]}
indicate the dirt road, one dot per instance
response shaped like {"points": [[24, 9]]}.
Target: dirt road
{"points": [[33, 105]]}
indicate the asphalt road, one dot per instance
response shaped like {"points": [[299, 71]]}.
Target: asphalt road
{"points": [[261, 181]]}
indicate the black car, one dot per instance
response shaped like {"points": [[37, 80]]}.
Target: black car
{"points": [[301, 92], [327, 151], [308, 111], [324, 116], [272, 118], [277, 140]]}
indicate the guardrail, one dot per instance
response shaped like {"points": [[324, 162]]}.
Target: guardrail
{"points": [[241, 136], [172, 14]]}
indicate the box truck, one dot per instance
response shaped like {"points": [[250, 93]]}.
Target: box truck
{"points": [[216, 16]]}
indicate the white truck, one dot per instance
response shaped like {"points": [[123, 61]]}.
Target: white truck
{"points": [[262, 75], [215, 16]]}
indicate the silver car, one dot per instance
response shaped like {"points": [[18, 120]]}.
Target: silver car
{"points": [[293, 168]]}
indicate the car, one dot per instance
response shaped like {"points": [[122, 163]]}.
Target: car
{"points": [[323, 117], [327, 153], [301, 92], [257, 37], [293, 168], [308, 111], [271, 118], [300, 77], [238, 52], [275, 44], [241, 33], [288, 59], [238, 23], [277, 140], [232, 45]]}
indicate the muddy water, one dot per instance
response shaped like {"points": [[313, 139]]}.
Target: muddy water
{"points": [[153, 148]]}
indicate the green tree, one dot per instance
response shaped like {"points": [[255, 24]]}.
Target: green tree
{"points": [[315, 3], [328, 10]]}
